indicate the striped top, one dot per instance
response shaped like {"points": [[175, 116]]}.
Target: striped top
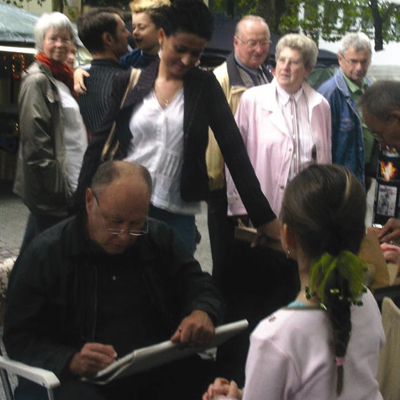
{"points": [[301, 133]]}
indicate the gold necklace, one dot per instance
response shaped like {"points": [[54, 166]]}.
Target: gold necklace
{"points": [[165, 102]]}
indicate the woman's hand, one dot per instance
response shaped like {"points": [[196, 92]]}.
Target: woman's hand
{"points": [[223, 389], [271, 230]]}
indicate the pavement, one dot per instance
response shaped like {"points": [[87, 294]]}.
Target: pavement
{"points": [[13, 217]]}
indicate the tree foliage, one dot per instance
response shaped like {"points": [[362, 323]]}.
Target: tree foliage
{"points": [[327, 19], [62, 5]]}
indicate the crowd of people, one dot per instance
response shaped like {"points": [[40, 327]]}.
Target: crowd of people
{"points": [[114, 161]]}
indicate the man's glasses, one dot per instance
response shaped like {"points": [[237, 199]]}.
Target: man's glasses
{"points": [[364, 63], [117, 231], [252, 44]]}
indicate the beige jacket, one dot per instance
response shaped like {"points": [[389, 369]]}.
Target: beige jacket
{"points": [[214, 159]]}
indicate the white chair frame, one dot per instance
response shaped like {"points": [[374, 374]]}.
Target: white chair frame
{"points": [[42, 377]]}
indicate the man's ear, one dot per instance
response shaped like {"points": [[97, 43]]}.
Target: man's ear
{"points": [[89, 199], [161, 36], [396, 115], [107, 38]]}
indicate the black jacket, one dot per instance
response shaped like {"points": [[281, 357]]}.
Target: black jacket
{"points": [[204, 106], [51, 301]]}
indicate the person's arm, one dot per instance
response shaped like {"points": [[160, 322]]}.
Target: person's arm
{"points": [[198, 303], [236, 158], [235, 204], [32, 318], [196, 329], [391, 231], [38, 136], [92, 358], [79, 80]]}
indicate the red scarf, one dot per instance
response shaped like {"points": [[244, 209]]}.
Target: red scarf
{"points": [[61, 71]]}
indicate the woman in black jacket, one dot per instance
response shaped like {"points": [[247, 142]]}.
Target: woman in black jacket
{"points": [[163, 125]]}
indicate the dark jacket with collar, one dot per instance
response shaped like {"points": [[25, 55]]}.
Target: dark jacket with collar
{"points": [[52, 306], [204, 106], [233, 72]]}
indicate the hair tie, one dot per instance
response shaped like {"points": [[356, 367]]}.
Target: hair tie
{"points": [[339, 361], [323, 278]]}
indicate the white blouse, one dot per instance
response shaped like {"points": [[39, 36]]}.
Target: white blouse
{"points": [[75, 136], [157, 144], [298, 124]]}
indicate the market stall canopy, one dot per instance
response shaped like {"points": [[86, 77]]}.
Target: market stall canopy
{"points": [[16, 25]]}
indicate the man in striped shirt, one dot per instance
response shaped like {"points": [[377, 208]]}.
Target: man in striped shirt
{"points": [[103, 32]]}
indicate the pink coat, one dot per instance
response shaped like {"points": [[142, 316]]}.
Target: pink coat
{"points": [[269, 144]]}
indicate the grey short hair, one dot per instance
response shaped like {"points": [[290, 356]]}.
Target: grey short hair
{"points": [[382, 98], [48, 21], [254, 18], [302, 43], [358, 40]]}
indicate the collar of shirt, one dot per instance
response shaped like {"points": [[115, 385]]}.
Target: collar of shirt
{"points": [[284, 96], [354, 88], [255, 73]]}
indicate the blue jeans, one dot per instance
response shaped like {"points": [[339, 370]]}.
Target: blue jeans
{"points": [[183, 225]]}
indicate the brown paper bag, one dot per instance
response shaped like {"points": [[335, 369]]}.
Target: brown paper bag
{"points": [[383, 274]]}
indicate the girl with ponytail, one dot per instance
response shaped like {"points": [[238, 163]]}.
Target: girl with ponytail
{"points": [[325, 345]]}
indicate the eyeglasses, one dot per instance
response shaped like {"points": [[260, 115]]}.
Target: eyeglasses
{"points": [[116, 231], [290, 61], [55, 39], [252, 44], [364, 63]]}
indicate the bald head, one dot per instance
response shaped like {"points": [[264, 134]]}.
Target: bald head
{"points": [[381, 111], [117, 205], [251, 41], [112, 171]]}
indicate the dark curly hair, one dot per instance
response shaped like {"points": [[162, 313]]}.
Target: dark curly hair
{"points": [[189, 16]]}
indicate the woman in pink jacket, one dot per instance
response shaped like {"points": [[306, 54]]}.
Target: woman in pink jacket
{"points": [[286, 125]]}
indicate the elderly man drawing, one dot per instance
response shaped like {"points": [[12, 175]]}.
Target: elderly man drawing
{"points": [[103, 283]]}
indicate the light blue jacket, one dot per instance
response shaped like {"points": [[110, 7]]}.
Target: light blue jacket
{"points": [[347, 134]]}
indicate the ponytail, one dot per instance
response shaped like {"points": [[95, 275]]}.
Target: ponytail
{"points": [[337, 281]]}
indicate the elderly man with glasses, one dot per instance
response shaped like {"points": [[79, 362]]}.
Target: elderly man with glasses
{"points": [[103, 283], [353, 144], [243, 69]]}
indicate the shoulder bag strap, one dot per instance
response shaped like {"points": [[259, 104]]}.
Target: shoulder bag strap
{"points": [[110, 148]]}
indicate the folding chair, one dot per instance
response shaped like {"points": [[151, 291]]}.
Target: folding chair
{"points": [[40, 376], [389, 365]]}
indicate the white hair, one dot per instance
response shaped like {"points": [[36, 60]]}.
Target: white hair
{"points": [[47, 21], [358, 40]]}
